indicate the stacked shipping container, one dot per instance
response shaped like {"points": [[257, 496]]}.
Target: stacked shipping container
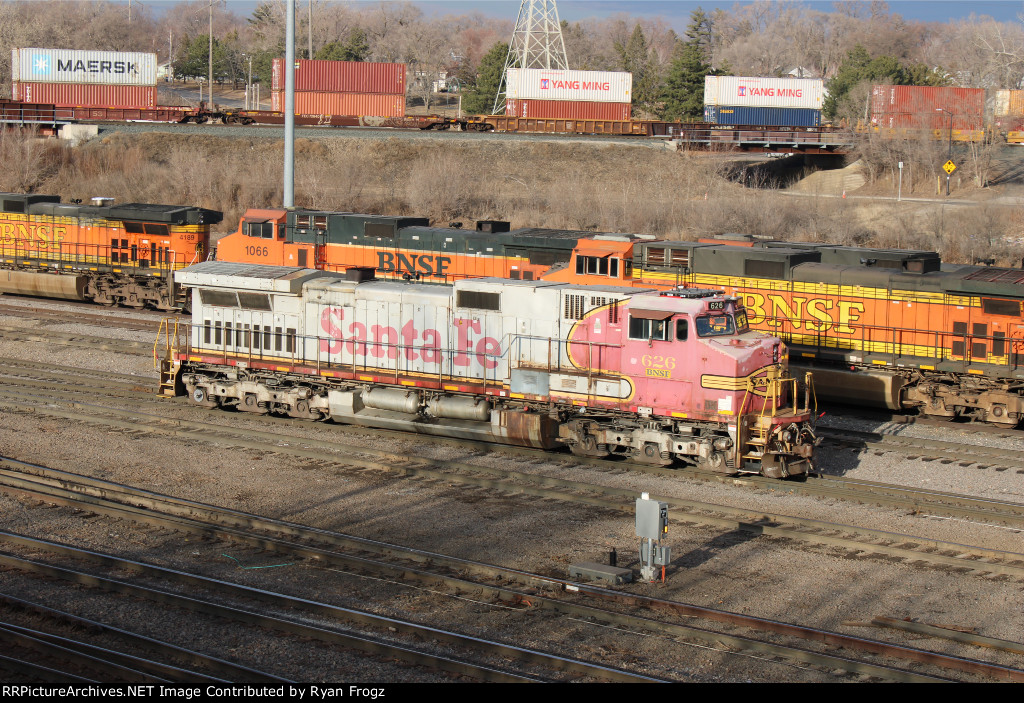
{"points": [[744, 100], [1006, 108], [573, 95], [342, 88], [65, 77], [927, 107]]}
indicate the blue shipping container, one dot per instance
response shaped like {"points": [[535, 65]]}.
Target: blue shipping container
{"points": [[762, 116]]}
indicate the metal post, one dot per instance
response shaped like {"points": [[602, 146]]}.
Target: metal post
{"points": [[210, 91], [289, 108], [899, 189]]}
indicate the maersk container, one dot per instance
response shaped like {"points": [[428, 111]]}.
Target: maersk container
{"points": [[762, 116], [342, 77], [927, 107], [577, 86], [746, 91], [85, 94], [568, 110], [83, 67], [371, 104]]}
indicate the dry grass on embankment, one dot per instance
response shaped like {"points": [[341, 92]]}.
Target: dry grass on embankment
{"points": [[564, 184]]}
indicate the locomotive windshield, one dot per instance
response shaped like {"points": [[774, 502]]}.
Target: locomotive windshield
{"points": [[722, 325]]}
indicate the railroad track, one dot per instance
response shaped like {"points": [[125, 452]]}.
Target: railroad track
{"points": [[141, 655], [912, 499], [142, 321], [270, 611], [433, 570], [348, 457], [928, 449]]}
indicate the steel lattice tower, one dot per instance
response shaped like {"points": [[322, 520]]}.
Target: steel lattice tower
{"points": [[536, 43]]}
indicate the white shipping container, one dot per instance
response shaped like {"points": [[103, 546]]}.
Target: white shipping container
{"points": [[742, 91], [588, 86], [92, 67]]}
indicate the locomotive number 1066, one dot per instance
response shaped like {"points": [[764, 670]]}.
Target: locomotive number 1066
{"points": [[256, 251]]}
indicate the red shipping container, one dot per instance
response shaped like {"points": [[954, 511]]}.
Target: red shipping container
{"points": [[310, 103], [342, 77], [927, 107], [568, 110], [85, 94]]}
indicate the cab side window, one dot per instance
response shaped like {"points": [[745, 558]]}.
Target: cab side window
{"points": [[641, 328], [682, 329]]}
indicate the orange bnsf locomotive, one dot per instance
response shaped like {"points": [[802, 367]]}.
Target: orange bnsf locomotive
{"points": [[887, 328], [409, 247], [109, 254]]}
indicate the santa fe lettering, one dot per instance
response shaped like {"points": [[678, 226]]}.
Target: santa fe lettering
{"points": [[414, 345]]}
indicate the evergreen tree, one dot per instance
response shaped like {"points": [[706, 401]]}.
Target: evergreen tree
{"points": [[355, 48], [683, 94], [479, 98], [635, 57], [859, 67], [194, 56]]}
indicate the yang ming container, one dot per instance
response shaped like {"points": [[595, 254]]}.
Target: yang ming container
{"points": [[85, 95], [746, 91], [310, 103], [83, 67], [342, 77], [762, 116], [568, 110], [585, 86]]}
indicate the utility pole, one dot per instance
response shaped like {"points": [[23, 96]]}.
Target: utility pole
{"points": [[289, 107], [309, 54], [210, 91], [536, 43]]}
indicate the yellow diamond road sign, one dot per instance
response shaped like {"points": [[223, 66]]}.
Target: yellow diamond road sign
{"points": [[949, 167]]}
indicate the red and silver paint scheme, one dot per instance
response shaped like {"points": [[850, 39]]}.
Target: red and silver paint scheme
{"points": [[662, 377]]}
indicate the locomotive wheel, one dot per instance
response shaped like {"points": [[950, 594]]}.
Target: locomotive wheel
{"points": [[651, 454], [200, 397], [251, 404], [716, 463], [587, 446], [301, 411]]}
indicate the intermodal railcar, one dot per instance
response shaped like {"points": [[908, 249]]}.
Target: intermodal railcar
{"points": [[106, 253], [888, 328], [663, 377]]}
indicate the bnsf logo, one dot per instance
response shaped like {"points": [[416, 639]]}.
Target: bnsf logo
{"points": [[427, 264]]}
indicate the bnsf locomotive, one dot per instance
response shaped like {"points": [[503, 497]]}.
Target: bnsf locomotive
{"points": [[659, 376], [109, 254], [888, 328]]}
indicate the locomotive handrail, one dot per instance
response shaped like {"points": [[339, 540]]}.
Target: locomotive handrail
{"points": [[892, 340]]}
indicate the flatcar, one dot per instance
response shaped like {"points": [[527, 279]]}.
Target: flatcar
{"points": [[663, 377], [109, 254]]}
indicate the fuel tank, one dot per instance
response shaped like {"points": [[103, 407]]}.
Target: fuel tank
{"points": [[49, 285]]}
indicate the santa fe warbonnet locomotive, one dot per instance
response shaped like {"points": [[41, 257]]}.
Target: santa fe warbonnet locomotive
{"points": [[659, 376]]}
